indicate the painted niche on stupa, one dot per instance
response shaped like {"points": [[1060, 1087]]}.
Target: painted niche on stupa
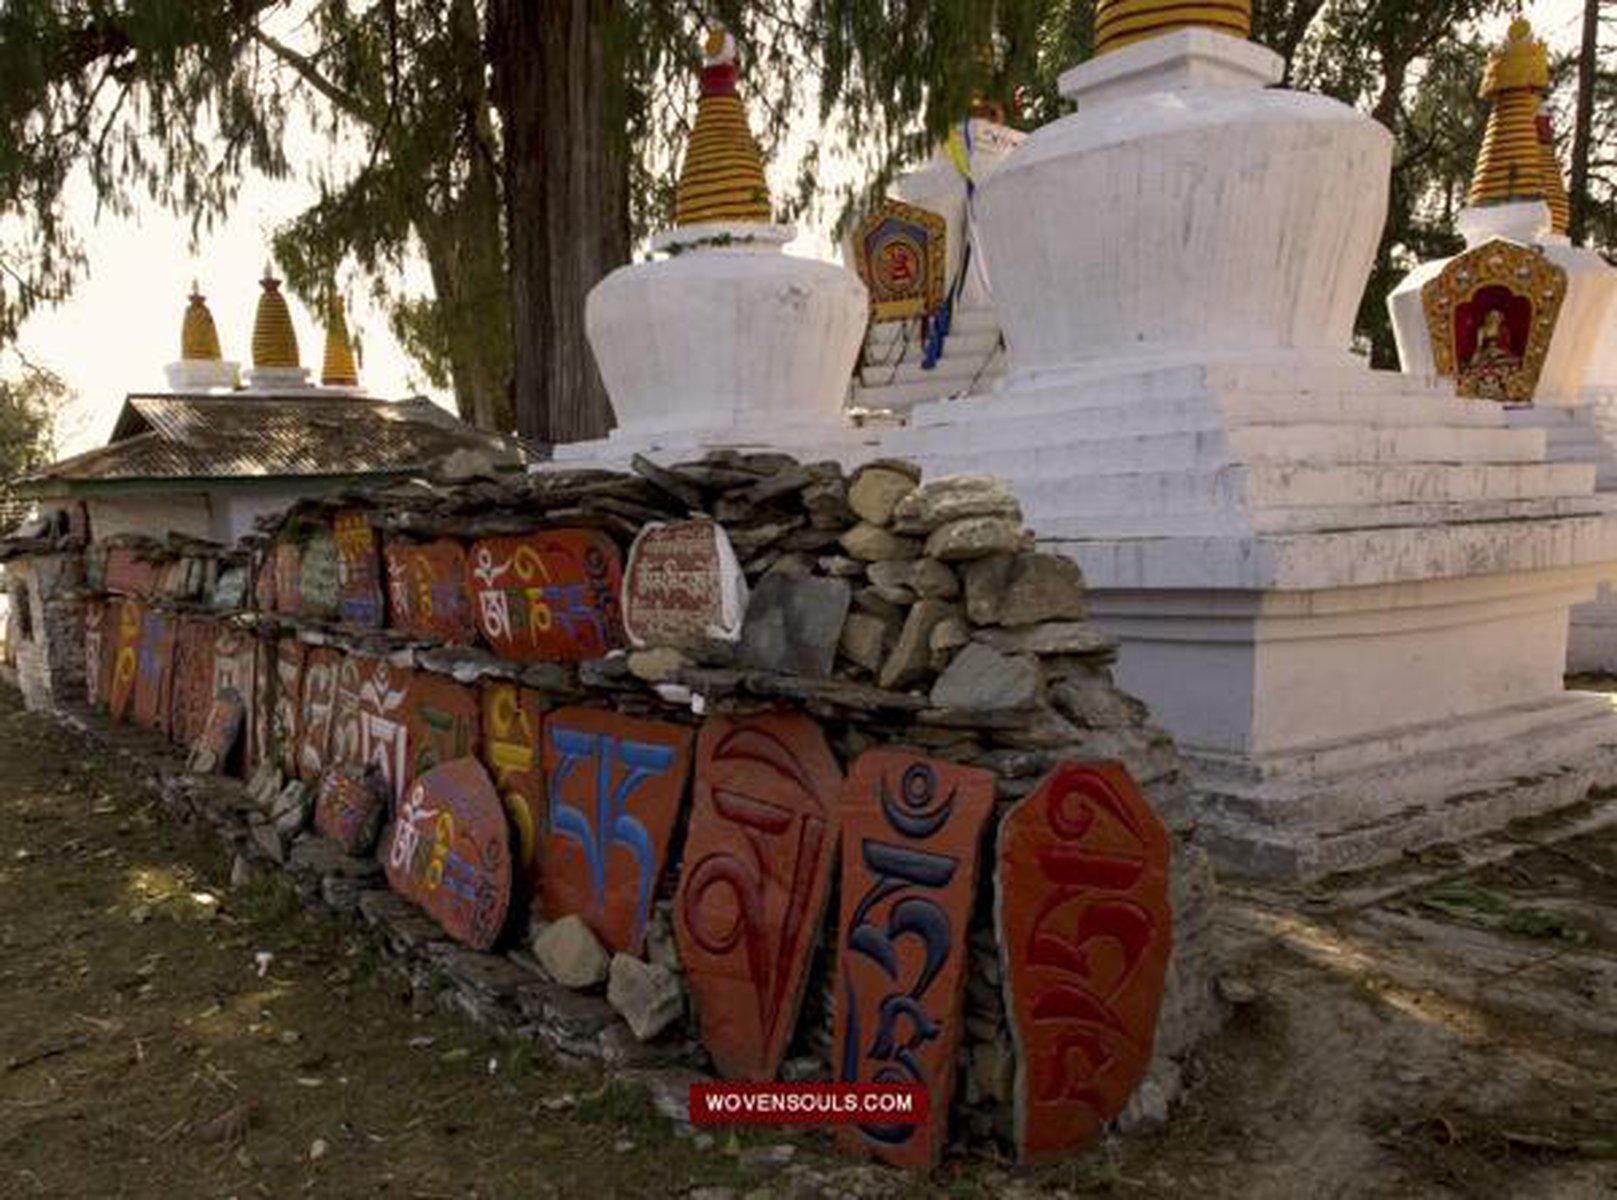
{"points": [[899, 250], [1491, 314]]}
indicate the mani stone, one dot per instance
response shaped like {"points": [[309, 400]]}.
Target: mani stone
{"points": [[794, 625], [645, 995], [952, 498], [981, 679], [911, 658], [974, 537], [872, 543], [571, 954], [878, 488], [865, 639]]}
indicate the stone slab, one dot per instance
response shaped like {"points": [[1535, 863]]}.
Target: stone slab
{"points": [[351, 807], [910, 829], [192, 694], [317, 705], [513, 724], [1085, 930], [360, 600], [757, 875], [442, 721], [550, 596], [683, 586], [125, 659], [291, 662], [426, 590], [449, 852], [616, 786], [154, 670]]}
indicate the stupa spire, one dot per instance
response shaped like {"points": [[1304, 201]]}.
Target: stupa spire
{"points": [[723, 175], [1511, 166], [199, 336], [275, 342], [1554, 186], [1119, 23], [339, 369]]}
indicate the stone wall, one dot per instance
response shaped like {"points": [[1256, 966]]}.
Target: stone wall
{"points": [[883, 644], [46, 628]]}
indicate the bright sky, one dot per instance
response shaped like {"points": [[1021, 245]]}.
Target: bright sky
{"points": [[123, 324]]}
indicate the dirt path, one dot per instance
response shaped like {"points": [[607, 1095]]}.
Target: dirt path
{"points": [[162, 1034]]}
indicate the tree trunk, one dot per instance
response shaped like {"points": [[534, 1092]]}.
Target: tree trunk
{"points": [[566, 200], [1583, 130]]}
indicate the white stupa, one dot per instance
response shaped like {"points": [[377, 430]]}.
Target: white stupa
{"points": [[1344, 592], [726, 342]]}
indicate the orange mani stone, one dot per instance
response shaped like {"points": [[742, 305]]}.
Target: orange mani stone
{"points": [[442, 719], [513, 719], [615, 789], [192, 693], [756, 877], [126, 625], [426, 589], [550, 596], [154, 670], [910, 828], [291, 660], [1085, 929], [316, 708], [449, 852]]}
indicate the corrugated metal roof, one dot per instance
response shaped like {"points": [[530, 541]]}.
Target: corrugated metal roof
{"points": [[247, 436]]}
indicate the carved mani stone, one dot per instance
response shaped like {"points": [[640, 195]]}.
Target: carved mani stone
{"points": [[550, 596], [449, 852], [384, 721], [1085, 929], [426, 588], [756, 877], [442, 718], [125, 658], [154, 670], [317, 706], [291, 661], [615, 789], [359, 571], [684, 586], [513, 719], [910, 828], [351, 807], [95, 652], [192, 694]]}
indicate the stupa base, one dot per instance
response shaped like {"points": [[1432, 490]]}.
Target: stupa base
{"points": [[1339, 590]]}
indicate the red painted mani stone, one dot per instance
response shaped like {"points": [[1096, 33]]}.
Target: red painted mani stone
{"points": [[441, 718], [513, 719], [384, 721], [550, 596], [291, 660], [359, 571], [351, 807], [1085, 929], [125, 658], [910, 828], [426, 587], [287, 564], [192, 694], [756, 877], [615, 790], [316, 707], [449, 852], [154, 670]]}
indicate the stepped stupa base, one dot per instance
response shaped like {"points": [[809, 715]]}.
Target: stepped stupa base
{"points": [[1345, 593]]}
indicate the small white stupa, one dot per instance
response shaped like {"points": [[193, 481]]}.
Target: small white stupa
{"points": [[201, 366], [1344, 592], [726, 342]]}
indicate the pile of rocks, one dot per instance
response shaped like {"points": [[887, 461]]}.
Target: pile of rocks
{"points": [[895, 610]]}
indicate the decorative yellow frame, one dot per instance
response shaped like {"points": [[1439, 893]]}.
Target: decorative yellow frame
{"points": [[886, 303], [1525, 273]]}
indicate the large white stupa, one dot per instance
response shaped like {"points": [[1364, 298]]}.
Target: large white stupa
{"points": [[1344, 592]]}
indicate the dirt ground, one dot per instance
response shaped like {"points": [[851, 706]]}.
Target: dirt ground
{"points": [[162, 1034]]}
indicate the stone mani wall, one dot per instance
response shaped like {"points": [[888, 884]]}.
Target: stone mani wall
{"points": [[46, 630], [862, 793]]}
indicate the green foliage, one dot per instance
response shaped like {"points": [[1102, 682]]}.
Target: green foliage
{"points": [[28, 406]]}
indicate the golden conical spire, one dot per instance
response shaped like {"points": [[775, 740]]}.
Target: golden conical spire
{"points": [[199, 336], [723, 176], [1554, 186], [1121, 22], [1511, 166], [275, 342], [339, 369]]}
